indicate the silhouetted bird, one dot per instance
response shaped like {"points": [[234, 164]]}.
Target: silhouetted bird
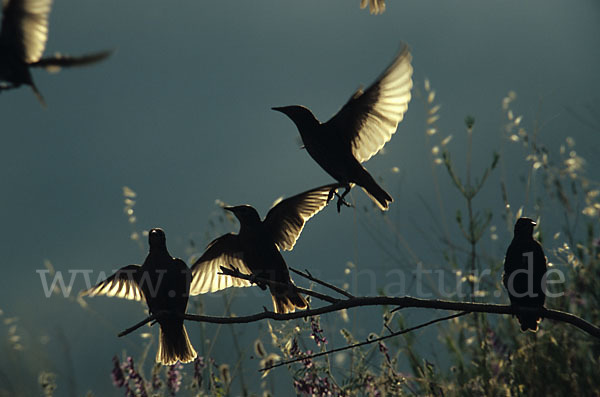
{"points": [[359, 130], [524, 269], [255, 249], [22, 41], [164, 282]]}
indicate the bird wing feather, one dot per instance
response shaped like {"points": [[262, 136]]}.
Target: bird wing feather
{"points": [[223, 251], [25, 27], [286, 219], [122, 284], [370, 118]]}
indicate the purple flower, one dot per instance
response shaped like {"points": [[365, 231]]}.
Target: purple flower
{"points": [[371, 387], [295, 349], [492, 339], [313, 385], [317, 331], [383, 349], [575, 298], [117, 375], [128, 391], [199, 365], [174, 378], [308, 361], [136, 377], [156, 382]]}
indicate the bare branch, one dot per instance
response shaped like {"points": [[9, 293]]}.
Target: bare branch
{"points": [[306, 274], [401, 302], [259, 280], [138, 325]]}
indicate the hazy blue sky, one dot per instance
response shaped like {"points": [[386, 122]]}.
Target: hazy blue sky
{"points": [[181, 114]]}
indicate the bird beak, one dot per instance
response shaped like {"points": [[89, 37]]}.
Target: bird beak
{"points": [[278, 109], [230, 209]]}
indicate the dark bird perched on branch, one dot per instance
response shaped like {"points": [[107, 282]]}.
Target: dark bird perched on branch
{"points": [[255, 249], [524, 270], [359, 130], [164, 282], [22, 41]]}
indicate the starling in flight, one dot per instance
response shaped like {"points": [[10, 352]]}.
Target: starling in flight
{"points": [[359, 130], [164, 282], [255, 249], [524, 270], [22, 41]]}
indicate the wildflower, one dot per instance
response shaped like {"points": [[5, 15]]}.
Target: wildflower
{"points": [[268, 362], [198, 367], [294, 349], [307, 362], [47, 381], [574, 298], [136, 377], [371, 387], [316, 333], [128, 192], [174, 378], [497, 345], [225, 374], [156, 382], [313, 385], [117, 375], [259, 349], [383, 349]]}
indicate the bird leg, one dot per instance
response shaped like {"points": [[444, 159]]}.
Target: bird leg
{"points": [[261, 284], [341, 199], [331, 193]]}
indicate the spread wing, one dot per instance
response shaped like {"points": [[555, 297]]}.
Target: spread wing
{"points": [[370, 118], [25, 27], [224, 251], [286, 219], [122, 284]]}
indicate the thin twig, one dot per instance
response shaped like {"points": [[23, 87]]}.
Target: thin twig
{"points": [[138, 325], [402, 302], [306, 274], [259, 280], [339, 349]]}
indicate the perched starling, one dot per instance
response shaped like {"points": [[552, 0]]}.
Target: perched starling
{"points": [[22, 41], [359, 130], [255, 249], [524, 270], [164, 282]]}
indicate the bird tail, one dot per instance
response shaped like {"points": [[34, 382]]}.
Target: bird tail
{"points": [[174, 344], [529, 323], [286, 300], [374, 191], [54, 63]]}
